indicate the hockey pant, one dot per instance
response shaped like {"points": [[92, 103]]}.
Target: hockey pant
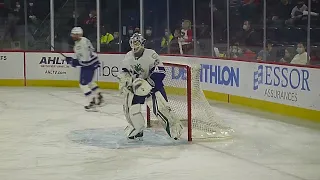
{"points": [[158, 103], [88, 87]]}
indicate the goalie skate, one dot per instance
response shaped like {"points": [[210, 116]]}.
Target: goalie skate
{"points": [[138, 137]]}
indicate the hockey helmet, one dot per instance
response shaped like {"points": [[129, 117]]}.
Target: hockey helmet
{"points": [[137, 42], [76, 31]]}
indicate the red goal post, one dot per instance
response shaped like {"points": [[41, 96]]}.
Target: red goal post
{"points": [[189, 104], [188, 96]]}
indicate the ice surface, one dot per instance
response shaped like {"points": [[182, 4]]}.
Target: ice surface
{"points": [[46, 134]]}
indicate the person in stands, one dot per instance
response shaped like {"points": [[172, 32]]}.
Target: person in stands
{"points": [[288, 55], [165, 41], [186, 37], [302, 56]]}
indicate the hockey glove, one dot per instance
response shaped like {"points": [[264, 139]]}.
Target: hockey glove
{"points": [[141, 87], [72, 62]]}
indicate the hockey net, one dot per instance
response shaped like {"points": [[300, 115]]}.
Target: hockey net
{"points": [[188, 102]]}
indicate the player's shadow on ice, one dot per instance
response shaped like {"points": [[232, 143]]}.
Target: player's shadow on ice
{"points": [[115, 139]]}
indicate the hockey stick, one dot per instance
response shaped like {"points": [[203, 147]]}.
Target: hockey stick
{"points": [[59, 52]]}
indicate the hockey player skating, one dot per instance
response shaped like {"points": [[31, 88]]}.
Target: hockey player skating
{"points": [[87, 60], [140, 81]]}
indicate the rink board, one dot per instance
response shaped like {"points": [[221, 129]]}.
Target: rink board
{"points": [[282, 89]]}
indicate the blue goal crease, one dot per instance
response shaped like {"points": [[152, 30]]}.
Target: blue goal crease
{"points": [[114, 138]]}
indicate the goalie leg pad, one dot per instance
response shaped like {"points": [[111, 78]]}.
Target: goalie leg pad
{"points": [[163, 112], [136, 120], [125, 80], [132, 110]]}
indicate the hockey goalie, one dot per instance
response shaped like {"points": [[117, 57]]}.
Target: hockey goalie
{"points": [[141, 81]]}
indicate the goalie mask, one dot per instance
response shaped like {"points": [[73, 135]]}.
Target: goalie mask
{"points": [[137, 42]]}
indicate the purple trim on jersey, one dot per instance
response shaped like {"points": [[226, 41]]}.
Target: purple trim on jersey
{"points": [[160, 69], [157, 76], [95, 88], [89, 63], [125, 70], [87, 93]]}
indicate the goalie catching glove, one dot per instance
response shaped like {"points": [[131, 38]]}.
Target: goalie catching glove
{"points": [[138, 86], [141, 87]]}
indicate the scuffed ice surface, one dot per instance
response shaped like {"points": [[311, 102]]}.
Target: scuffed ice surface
{"points": [[45, 134]]}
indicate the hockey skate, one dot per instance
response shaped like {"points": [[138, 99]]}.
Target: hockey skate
{"points": [[91, 107], [100, 101], [176, 131], [138, 137]]}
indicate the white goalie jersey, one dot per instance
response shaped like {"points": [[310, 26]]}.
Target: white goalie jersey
{"points": [[148, 66]]}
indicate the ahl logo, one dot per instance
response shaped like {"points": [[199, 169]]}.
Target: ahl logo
{"points": [[53, 62]]}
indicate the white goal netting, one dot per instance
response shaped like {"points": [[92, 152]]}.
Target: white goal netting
{"points": [[203, 123]]}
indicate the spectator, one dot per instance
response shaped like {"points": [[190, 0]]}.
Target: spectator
{"points": [[137, 30], [270, 54], [297, 13], [92, 18], [186, 37], [174, 43], [90, 24], [32, 18], [219, 21], [301, 57], [166, 39], [72, 21], [105, 39], [249, 9], [149, 39], [131, 31], [116, 36], [114, 45], [248, 37], [126, 46], [11, 27], [236, 51], [280, 12], [18, 13], [288, 55], [315, 5]]}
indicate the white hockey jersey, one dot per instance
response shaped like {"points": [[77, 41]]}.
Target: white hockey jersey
{"points": [[148, 66], [84, 53]]}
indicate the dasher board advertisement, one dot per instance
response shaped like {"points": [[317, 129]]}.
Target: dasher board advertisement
{"points": [[11, 65]]}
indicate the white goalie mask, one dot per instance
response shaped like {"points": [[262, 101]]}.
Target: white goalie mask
{"points": [[137, 42]]}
